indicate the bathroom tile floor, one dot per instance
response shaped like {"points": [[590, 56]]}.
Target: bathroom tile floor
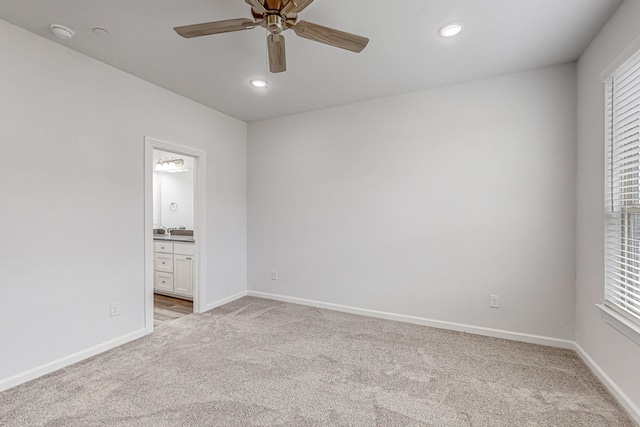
{"points": [[167, 309]]}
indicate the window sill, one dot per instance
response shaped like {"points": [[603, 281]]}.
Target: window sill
{"points": [[619, 322]]}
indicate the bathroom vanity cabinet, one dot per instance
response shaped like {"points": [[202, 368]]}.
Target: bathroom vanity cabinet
{"points": [[173, 265]]}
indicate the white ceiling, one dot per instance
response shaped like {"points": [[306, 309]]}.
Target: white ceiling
{"points": [[404, 53]]}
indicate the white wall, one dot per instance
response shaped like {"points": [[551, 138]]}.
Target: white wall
{"points": [[618, 356], [72, 197], [425, 204]]}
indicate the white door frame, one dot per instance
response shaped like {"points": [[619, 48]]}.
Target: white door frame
{"points": [[200, 271]]}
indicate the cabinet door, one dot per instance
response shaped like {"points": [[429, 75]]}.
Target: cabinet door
{"points": [[183, 275]]}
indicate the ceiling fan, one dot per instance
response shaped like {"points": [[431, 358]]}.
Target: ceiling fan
{"points": [[277, 16]]}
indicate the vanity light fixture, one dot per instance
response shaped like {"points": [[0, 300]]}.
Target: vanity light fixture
{"points": [[171, 165], [450, 30]]}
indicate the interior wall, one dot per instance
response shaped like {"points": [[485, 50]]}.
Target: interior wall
{"points": [[617, 355], [425, 204], [73, 198]]}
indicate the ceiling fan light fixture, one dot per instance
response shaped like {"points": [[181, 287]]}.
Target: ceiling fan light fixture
{"points": [[450, 30], [258, 83]]}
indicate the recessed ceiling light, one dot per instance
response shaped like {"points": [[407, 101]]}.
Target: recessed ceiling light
{"points": [[101, 31], [258, 83], [62, 32], [450, 30]]}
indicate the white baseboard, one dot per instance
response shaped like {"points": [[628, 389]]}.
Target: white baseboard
{"points": [[613, 388], [34, 373], [478, 330], [224, 301]]}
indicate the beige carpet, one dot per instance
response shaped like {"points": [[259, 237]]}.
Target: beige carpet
{"points": [[255, 362]]}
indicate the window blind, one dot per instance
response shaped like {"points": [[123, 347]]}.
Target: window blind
{"points": [[622, 189]]}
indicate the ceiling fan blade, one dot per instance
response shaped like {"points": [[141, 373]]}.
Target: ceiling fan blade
{"points": [[277, 56], [295, 6], [330, 36], [216, 27], [257, 6]]}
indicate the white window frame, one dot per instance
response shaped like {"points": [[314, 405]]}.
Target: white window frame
{"points": [[621, 305]]}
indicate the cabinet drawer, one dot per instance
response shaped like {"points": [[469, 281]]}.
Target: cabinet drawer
{"points": [[164, 262], [184, 248], [164, 282], [164, 247]]}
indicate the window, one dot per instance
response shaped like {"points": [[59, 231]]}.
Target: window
{"points": [[622, 190]]}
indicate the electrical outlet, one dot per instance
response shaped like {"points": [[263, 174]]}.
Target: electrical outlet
{"points": [[274, 275], [494, 301], [115, 309]]}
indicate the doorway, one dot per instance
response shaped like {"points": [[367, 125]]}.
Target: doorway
{"points": [[173, 241], [174, 231]]}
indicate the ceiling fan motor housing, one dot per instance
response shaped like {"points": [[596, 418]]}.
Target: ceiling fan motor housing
{"points": [[274, 24]]}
